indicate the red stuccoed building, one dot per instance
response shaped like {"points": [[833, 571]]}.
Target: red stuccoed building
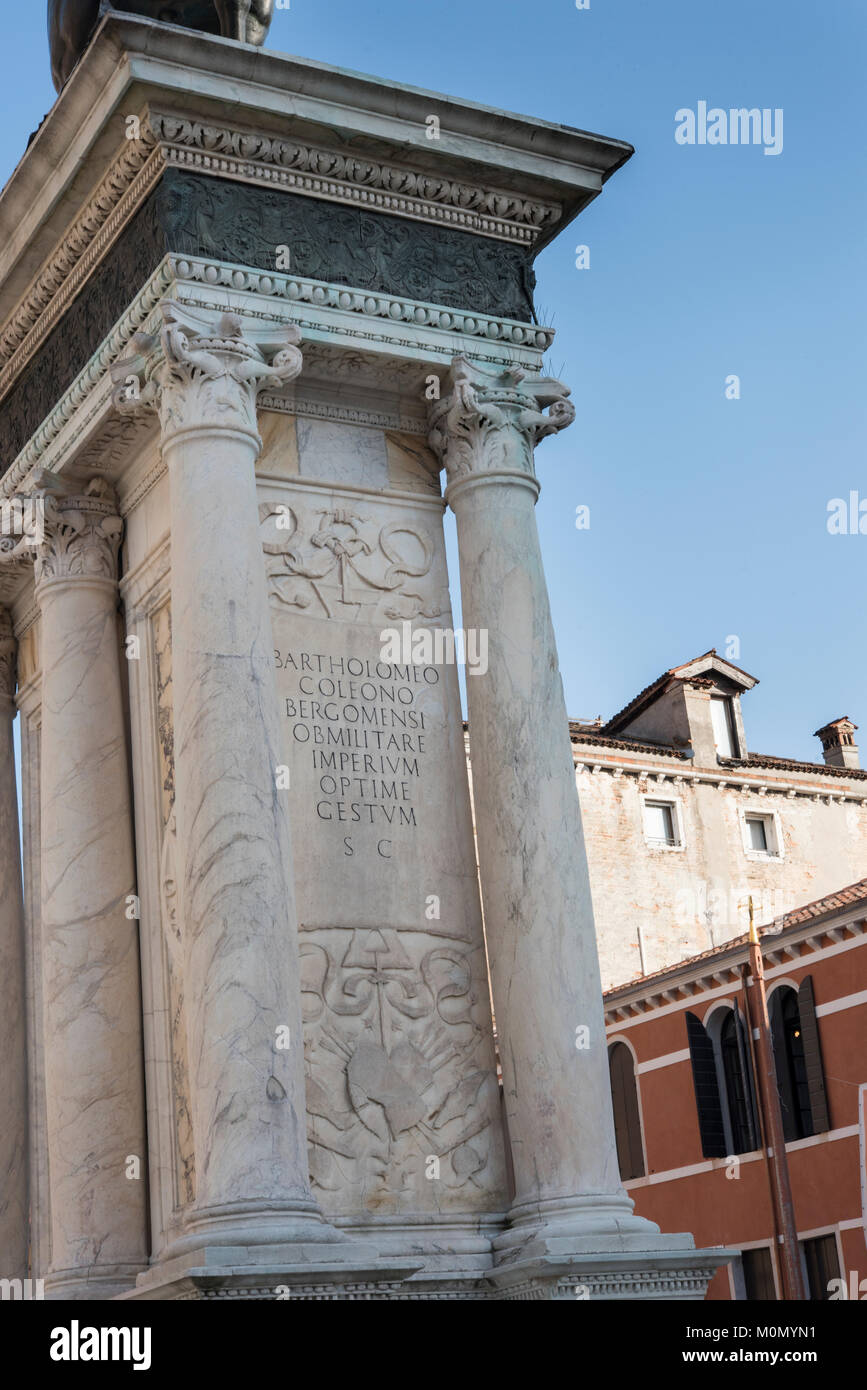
{"points": [[692, 1128]]}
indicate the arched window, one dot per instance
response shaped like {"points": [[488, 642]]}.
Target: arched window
{"points": [[736, 1078], [798, 1061], [706, 1085], [627, 1123], [722, 1077], [790, 1064]]}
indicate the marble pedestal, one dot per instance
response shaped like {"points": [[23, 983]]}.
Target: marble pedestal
{"points": [[264, 328]]}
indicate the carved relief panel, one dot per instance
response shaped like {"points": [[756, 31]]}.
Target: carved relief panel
{"points": [[341, 562], [398, 1094], [402, 1096]]}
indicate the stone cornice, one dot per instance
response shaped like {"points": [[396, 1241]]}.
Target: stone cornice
{"points": [[378, 118], [324, 313], [722, 967], [236, 153], [395, 309], [229, 152], [130, 178], [677, 775]]}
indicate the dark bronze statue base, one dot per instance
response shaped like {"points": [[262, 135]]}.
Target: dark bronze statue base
{"points": [[71, 23]]}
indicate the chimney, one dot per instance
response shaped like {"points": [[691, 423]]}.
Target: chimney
{"points": [[839, 748]]}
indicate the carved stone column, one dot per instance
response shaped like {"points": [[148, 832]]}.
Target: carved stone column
{"points": [[535, 887], [13, 1027], [94, 1092], [234, 877]]}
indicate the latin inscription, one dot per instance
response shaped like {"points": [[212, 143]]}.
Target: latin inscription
{"points": [[359, 725]]}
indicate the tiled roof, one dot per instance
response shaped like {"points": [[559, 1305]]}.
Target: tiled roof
{"points": [[792, 765], [844, 897], [579, 734], [673, 674], [748, 679], [835, 902], [591, 734], [639, 699]]}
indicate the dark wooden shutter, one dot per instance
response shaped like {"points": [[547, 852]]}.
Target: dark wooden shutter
{"points": [[751, 1119], [776, 1010], [758, 1275], [823, 1265], [627, 1123], [813, 1057], [704, 1079]]}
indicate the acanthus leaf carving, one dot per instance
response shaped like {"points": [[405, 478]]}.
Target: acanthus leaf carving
{"points": [[491, 422], [82, 535], [198, 374]]}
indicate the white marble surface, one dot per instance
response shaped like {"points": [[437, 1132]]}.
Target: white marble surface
{"points": [[231, 926], [342, 453], [535, 887], [90, 963], [234, 852], [13, 1040], [403, 1108]]}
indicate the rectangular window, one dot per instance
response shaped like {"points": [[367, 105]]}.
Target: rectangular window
{"points": [[760, 834], [723, 720], [758, 1275], [660, 823], [823, 1265]]}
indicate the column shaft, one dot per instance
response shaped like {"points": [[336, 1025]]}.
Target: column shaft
{"points": [[241, 980], [538, 913], [535, 885], [14, 1221], [236, 898], [94, 1083]]}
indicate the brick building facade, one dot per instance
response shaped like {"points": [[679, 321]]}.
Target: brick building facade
{"points": [[682, 822], [691, 1127]]}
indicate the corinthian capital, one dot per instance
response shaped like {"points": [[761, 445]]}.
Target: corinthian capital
{"points": [[8, 650], [202, 374], [82, 536], [490, 422]]}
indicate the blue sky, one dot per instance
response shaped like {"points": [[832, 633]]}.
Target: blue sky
{"points": [[707, 515]]}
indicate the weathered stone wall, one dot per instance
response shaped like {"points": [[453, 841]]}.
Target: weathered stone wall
{"points": [[689, 899]]}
